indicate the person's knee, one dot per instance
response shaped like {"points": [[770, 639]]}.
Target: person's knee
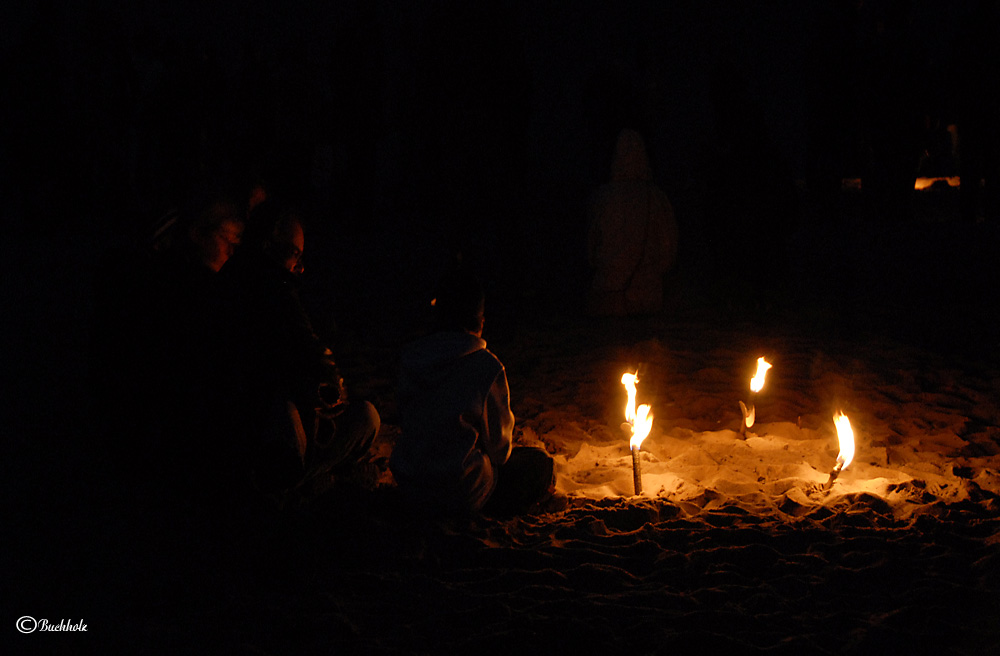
{"points": [[367, 415], [362, 422]]}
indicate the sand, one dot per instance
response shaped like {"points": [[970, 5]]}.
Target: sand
{"points": [[923, 436], [734, 543]]}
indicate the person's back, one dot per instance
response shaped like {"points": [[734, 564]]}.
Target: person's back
{"points": [[456, 421], [456, 444]]}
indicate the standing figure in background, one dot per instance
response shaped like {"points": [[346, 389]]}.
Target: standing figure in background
{"points": [[632, 241]]}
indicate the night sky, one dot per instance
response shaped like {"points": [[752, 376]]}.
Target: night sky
{"points": [[448, 109]]}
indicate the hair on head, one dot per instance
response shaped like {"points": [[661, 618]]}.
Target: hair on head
{"points": [[459, 301]]}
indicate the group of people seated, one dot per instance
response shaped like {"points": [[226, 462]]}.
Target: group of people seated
{"points": [[215, 384]]}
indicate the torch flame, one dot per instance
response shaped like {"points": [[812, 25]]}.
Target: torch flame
{"points": [[757, 382], [641, 427], [629, 381], [640, 420], [846, 436]]}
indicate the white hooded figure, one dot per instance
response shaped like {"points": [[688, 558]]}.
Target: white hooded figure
{"points": [[632, 239]]}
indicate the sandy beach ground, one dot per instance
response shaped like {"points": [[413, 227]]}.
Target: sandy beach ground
{"points": [[733, 543]]}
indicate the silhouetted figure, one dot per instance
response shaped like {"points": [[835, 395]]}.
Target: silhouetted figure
{"points": [[157, 350], [160, 379], [632, 239], [290, 412], [455, 454]]}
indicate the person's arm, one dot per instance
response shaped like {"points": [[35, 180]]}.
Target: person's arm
{"points": [[499, 421], [310, 358]]}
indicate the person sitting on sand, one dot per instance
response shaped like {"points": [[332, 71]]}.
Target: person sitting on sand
{"points": [[155, 337], [632, 240], [290, 406], [454, 455]]}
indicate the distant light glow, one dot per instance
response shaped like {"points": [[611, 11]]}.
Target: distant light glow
{"points": [[924, 183]]}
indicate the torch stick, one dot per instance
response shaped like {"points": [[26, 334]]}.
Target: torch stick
{"points": [[749, 415], [636, 471], [638, 422], [834, 473]]}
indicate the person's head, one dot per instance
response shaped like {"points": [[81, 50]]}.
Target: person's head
{"points": [[258, 194], [277, 232], [459, 303], [630, 159], [287, 243], [215, 233]]}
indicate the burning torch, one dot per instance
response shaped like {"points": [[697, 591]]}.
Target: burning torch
{"points": [[845, 434], [756, 385], [638, 422]]}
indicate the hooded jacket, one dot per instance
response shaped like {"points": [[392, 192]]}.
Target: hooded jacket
{"points": [[454, 408]]}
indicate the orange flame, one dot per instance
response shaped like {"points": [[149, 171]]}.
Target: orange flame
{"points": [[629, 381], [846, 436], [640, 429], [639, 419], [757, 382]]}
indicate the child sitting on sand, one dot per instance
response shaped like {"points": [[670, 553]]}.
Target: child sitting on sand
{"points": [[455, 454]]}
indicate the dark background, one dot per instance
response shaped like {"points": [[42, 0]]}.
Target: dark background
{"points": [[454, 112], [411, 131]]}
